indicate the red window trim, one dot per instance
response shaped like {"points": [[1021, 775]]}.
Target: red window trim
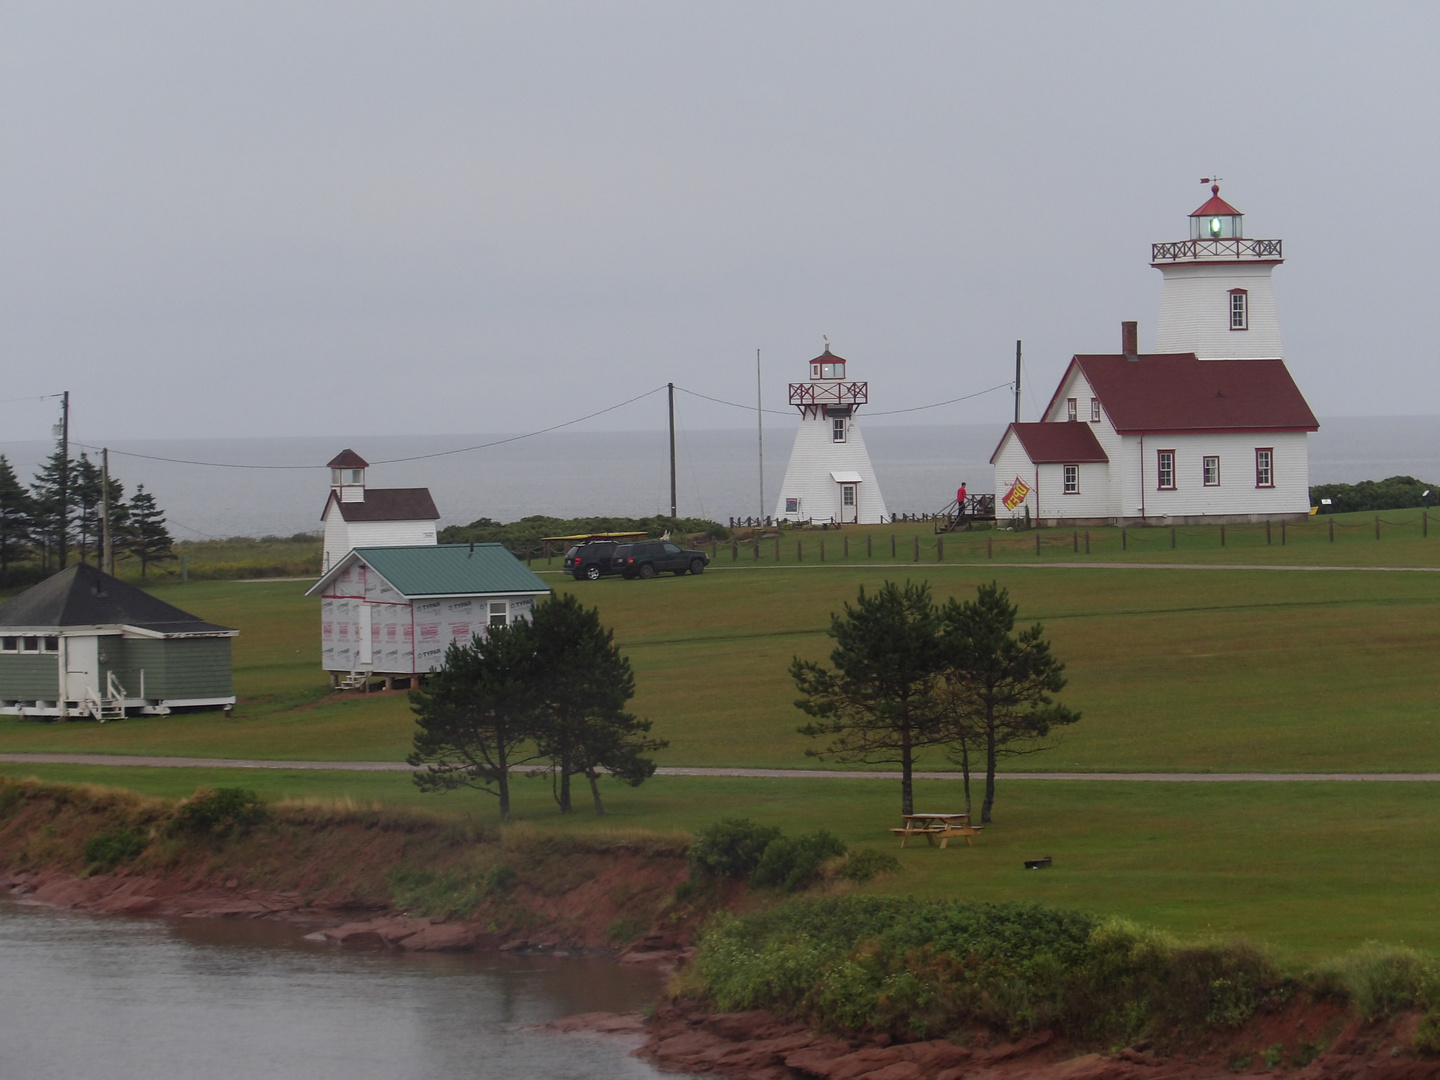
{"points": [[1203, 459], [1158, 485], [1070, 465], [1230, 314], [1264, 450]]}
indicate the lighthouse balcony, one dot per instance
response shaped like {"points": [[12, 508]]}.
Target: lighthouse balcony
{"points": [[1216, 249], [828, 393]]}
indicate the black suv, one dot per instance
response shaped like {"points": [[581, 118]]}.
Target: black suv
{"points": [[649, 557], [591, 559]]}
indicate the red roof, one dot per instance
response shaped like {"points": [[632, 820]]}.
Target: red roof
{"points": [[1177, 392], [348, 459], [1216, 207], [1068, 442], [827, 357], [387, 504]]}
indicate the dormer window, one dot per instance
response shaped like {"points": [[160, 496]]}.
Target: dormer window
{"points": [[1239, 309]]}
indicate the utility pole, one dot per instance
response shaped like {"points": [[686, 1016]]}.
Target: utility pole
{"points": [[107, 555], [64, 474], [672, 450], [1017, 382], [760, 429]]}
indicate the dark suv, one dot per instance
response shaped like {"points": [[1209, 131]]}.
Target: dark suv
{"points": [[649, 557], [591, 559]]}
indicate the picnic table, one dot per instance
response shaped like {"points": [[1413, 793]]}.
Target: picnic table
{"points": [[937, 827]]}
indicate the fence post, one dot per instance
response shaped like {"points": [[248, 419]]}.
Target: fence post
{"points": [[1124, 539], [1037, 541], [799, 551], [1377, 526], [1267, 532], [757, 548], [1222, 535], [1075, 541], [1282, 534], [939, 547], [822, 549], [869, 545], [1172, 537], [989, 547], [1424, 522], [546, 546], [1332, 530], [845, 545], [917, 547], [734, 549], [1087, 541]]}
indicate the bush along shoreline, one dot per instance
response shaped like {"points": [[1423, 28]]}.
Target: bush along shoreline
{"points": [[810, 966]]}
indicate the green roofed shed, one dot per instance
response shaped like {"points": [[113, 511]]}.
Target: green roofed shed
{"points": [[393, 611]]}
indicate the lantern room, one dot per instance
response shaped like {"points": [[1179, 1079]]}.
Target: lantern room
{"points": [[1217, 219], [827, 366], [347, 476]]}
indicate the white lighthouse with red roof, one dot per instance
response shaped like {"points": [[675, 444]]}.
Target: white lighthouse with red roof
{"points": [[830, 479], [1218, 301]]}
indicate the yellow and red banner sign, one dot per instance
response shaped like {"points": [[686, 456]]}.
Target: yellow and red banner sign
{"points": [[1016, 495]]}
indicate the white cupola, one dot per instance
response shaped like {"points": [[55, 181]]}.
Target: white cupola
{"points": [[347, 477]]}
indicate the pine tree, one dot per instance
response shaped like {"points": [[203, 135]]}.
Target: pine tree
{"points": [[17, 511], [146, 537], [45, 496]]}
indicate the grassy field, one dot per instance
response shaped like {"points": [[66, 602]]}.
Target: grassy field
{"points": [[1175, 669], [1311, 868]]}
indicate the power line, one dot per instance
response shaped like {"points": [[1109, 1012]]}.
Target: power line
{"points": [[389, 461]]}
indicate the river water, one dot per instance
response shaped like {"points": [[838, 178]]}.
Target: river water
{"points": [[132, 999]]}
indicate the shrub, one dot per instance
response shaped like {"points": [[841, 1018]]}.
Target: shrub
{"points": [[1427, 1036], [106, 850], [425, 892], [791, 863], [1382, 980], [501, 878], [219, 813], [730, 848], [864, 865]]}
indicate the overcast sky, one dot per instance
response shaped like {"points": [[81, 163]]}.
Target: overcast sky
{"points": [[253, 218]]}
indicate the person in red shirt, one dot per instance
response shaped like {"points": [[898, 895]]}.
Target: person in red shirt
{"points": [[960, 499]]}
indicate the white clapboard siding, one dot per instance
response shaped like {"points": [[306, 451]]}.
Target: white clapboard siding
{"points": [[1195, 311], [807, 477]]}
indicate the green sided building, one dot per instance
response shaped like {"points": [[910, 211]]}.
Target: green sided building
{"points": [[83, 644]]}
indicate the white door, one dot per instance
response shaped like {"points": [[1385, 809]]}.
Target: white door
{"points": [[82, 667], [366, 645], [849, 507]]}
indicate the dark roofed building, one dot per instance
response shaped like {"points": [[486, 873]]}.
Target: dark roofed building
{"points": [[82, 643], [357, 516]]}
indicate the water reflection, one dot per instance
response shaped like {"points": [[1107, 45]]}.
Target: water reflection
{"points": [[124, 998]]}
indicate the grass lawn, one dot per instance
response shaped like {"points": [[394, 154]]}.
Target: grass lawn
{"points": [[1311, 868]]}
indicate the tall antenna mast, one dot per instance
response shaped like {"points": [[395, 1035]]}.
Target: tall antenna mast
{"points": [[1017, 382], [672, 450], [760, 430], [64, 475]]}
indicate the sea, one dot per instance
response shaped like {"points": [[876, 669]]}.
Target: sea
{"points": [[227, 487]]}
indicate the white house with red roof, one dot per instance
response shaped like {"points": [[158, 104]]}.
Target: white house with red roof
{"points": [[1209, 427], [359, 517]]}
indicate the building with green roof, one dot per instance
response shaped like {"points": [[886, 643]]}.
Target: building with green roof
{"points": [[391, 612]]}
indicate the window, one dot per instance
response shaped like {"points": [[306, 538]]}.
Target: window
{"points": [[335, 475], [837, 430], [9, 644], [1239, 309], [792, 506], [499, 612], [832, 371], [355, 475], [847, 495], [1072, 479], [1264, 467], [1072, 409], [1212, 470], [50, 644], [30, 644], [1165, 461], [1094, 410]]}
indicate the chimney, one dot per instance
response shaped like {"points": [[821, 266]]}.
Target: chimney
{"points": [[1130, 340]]}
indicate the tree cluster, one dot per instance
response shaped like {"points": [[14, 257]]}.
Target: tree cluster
{"points": [[1392, 493], [31, 529], [547, 696], [909, 675]]}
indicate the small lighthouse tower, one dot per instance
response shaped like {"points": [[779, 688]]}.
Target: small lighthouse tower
{"points": [[1218, 301], [829, 478]]}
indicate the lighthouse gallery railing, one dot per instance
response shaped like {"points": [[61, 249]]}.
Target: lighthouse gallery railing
{"points": [[1206, 250], [822, 393]]}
